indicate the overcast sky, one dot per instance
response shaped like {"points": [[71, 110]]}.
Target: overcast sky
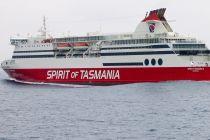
{"points": [[77, 17]]}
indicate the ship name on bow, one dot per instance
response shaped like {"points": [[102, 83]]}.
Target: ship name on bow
{"points": [[83, 74]]}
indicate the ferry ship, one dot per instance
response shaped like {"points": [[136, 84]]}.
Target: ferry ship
{"points": [[152, 53]]}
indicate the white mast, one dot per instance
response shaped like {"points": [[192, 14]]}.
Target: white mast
{"points": [[44, 28]]}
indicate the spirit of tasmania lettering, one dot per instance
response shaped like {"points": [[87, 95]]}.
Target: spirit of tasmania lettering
{"points": [[83, 74], [100, 74], [58, 74]]}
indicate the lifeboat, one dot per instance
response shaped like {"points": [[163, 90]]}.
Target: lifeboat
{"points": [[80, 45], [63, 46]]}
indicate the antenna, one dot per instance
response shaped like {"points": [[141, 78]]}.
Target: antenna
{"points": [[44, 23], [44, 28]]}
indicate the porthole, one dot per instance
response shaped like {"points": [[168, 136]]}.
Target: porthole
{"points": [[160, 61], [153, 62], [146, 62]]}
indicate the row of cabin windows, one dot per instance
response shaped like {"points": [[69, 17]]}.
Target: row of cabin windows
{"points": [[34, 56], [135, 41], [58, 51], [36, 46], [35, 51], [78, 39], [184, 46], [192, 52], [154, 40], [127, 48], [138, 47], [17, 41], [178, 40]]}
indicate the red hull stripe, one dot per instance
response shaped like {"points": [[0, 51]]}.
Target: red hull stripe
{"points": [[110, 75]]}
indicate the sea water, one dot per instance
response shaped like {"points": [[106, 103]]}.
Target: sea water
{"points": [[144, 111]]}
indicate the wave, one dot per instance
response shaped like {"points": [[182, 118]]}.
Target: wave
{"points": [[48, 84]]}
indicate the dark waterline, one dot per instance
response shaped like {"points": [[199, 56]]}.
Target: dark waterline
{"points": [[148, 111]]}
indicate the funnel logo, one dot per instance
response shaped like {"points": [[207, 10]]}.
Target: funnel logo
{"points": [[152, 27]]}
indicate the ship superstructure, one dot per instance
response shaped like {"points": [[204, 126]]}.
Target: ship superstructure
{"points": [[152, 53]]}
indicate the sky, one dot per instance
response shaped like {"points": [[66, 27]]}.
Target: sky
{"points": [[78, 17]]}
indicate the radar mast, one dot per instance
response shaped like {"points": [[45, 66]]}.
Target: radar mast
{"points": [[44, 28]]}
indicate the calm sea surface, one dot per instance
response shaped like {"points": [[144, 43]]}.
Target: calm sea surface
{"points": [[147, 111]]}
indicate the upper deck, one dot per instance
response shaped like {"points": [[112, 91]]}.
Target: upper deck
{"points": [[153, 30]]}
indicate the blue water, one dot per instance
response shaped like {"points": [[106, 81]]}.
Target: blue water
{"points": [[147, 111]]}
